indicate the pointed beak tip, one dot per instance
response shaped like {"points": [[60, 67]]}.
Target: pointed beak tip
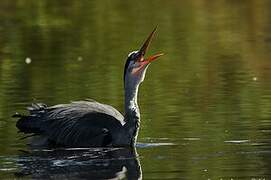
{"points": [[161, 54], [146, 44], [154, 57]]}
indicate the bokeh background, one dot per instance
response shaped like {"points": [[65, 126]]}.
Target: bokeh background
{"points": [[205, 105]]}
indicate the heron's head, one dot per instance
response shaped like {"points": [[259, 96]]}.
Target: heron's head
{"points": [[136, 64]]}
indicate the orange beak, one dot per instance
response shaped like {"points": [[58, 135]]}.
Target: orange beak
{"points": [[145, 61]]}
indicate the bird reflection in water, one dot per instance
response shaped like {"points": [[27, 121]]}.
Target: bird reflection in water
{"points": [[85, 163]]}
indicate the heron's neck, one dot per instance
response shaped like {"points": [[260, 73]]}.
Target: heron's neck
{"points": [[132, 114], [131, 106]]}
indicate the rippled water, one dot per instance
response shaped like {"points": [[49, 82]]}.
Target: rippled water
{"points": [[205, 105]]}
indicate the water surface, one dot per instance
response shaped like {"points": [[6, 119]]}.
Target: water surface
{"points": [[205, 105]]}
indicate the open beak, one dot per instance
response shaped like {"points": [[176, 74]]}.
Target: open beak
{"points": [[145, 46], [145, 61]]}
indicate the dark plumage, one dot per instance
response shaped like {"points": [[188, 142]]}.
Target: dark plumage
{"points": [[78, 124]]}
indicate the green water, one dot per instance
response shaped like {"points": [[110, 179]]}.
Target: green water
{"points": [[205, 105]]}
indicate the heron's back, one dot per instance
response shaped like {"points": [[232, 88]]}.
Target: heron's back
{"points": [[78, 124]]}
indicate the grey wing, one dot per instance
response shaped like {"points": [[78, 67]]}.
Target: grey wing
{"points": [[99, 107], [81, 124]]}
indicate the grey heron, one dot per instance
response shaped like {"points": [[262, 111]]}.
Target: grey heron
{"points": [[90, 123]]}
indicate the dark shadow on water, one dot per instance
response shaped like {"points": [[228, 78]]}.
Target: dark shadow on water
{"points": [[92, 163]]}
